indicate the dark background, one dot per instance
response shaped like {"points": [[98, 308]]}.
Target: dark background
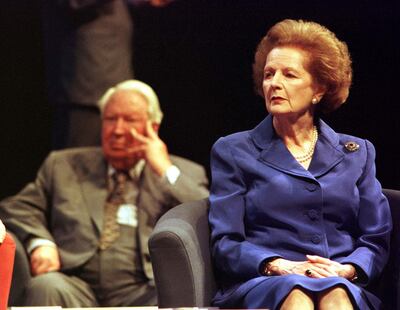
{"points": [[197, 55]]}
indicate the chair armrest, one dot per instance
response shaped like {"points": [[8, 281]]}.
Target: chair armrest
{"points": [[21, 274], [180, 254]]}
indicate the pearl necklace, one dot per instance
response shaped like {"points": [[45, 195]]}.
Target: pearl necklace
{"points": [[310, 152]]}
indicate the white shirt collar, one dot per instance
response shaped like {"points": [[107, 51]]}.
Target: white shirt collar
{"points": [[134, 172]]}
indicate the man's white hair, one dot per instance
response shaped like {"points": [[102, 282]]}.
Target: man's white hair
{"points": [[154, 111]]}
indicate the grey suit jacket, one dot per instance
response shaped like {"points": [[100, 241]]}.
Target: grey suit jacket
{"points": [[65, 203]]}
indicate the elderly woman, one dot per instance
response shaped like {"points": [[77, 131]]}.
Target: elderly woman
{"points": [[298, 218]]}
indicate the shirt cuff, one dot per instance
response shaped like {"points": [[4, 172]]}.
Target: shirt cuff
{"points": [[172, 174], [37, 242]]}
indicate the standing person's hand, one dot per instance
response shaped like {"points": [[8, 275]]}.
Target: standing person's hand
{"points": [[2, 231], [44, 259], [152, 149], [160, 3], [155, 3]]}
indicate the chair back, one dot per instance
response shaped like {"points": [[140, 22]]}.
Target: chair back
{"points": [[388, 284], [180, 254]]}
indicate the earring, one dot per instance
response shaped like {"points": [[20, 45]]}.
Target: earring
{"points": [[314, 101]]}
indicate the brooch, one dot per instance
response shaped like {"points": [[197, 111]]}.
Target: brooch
{"points": [[351, 146]]}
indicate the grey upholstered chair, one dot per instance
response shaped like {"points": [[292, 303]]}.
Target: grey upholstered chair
{"points": [[180, 253]]}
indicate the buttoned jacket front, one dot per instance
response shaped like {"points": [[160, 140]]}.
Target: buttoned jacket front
{"points": [[265, 204]]}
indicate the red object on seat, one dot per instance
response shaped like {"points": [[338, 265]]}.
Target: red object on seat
{"points": [[7, 253]]}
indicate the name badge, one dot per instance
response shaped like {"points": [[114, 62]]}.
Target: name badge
{"points": [[127, 215]]}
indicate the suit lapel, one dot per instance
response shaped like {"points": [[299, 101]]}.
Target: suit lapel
{"points": [[94, 187], [327, 152], [275, 154], [151, 197]]}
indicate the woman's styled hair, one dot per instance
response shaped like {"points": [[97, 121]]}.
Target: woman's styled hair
{"points": [[154, 111], [329, 59]]}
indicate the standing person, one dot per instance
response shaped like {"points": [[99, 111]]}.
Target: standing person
{"points": [[297, 215], [87, 217], [88, 48]]}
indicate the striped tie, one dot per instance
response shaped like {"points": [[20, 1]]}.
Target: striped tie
{"points": [[114, 200]]}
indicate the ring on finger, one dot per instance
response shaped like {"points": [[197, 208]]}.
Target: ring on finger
{"points": [[308, 272]]}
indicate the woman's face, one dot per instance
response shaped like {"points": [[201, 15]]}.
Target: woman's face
{"points": [[288, 87]]}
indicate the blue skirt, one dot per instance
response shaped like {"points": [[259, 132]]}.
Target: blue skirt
{"points": [[270, 292]]}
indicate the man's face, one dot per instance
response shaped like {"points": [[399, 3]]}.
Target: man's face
{"points": [[124, 111]]}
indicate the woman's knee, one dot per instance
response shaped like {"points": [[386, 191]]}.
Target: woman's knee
{"points": [[298, 299], [335, 298]]}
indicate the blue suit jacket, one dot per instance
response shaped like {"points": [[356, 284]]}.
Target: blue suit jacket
{"points": [[265, 204]]}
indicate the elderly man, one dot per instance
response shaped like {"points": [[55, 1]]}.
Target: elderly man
{"points": [[87, 217]]}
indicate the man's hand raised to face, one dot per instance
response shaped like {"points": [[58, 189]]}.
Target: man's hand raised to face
{"points": [[152, 149]]}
